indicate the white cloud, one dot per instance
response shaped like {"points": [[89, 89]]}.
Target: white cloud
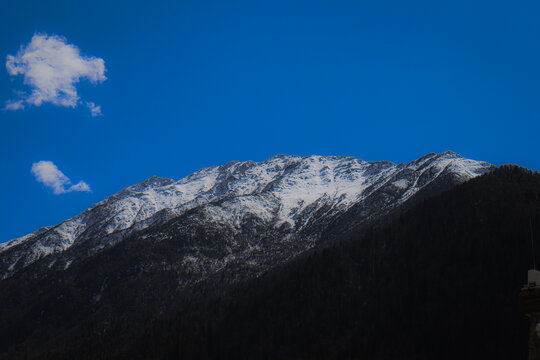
{"points": [[95, 110], [80, 186], [47, 173], [51, 67]]}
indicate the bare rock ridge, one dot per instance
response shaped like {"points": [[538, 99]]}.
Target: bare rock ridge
{"points": [[263, 211]]}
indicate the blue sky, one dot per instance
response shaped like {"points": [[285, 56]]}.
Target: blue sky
{"points": [[191, 84]]}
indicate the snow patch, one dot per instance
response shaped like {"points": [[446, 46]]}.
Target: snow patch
{"points": [[401, 184]]}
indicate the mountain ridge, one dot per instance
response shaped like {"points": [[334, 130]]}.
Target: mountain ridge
{"points": [[284, 191]]}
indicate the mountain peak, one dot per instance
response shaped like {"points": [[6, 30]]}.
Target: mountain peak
{"points": [[157, 180], [151, 182], [449, 154]]}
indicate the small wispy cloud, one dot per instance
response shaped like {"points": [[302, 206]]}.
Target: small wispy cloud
{"points": [[95, 110], [47, 173], [51, 67], [14, 105]]}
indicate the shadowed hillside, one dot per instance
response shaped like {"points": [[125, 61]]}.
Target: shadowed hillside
{"points": [[440, 281]]}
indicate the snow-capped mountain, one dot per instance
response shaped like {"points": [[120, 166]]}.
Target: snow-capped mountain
{"points": [[291, 199]]}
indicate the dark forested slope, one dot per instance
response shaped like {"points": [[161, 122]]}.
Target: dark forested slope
{"points": [[441, 280]]}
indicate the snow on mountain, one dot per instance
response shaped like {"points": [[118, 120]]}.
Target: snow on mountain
{"points": [[282, 191]]}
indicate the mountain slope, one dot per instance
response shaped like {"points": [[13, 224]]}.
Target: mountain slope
{"points": [[440, 281], [104, 275], [288, 196]]}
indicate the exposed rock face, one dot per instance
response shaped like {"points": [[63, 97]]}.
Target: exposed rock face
{"points": [[242, 216]]}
